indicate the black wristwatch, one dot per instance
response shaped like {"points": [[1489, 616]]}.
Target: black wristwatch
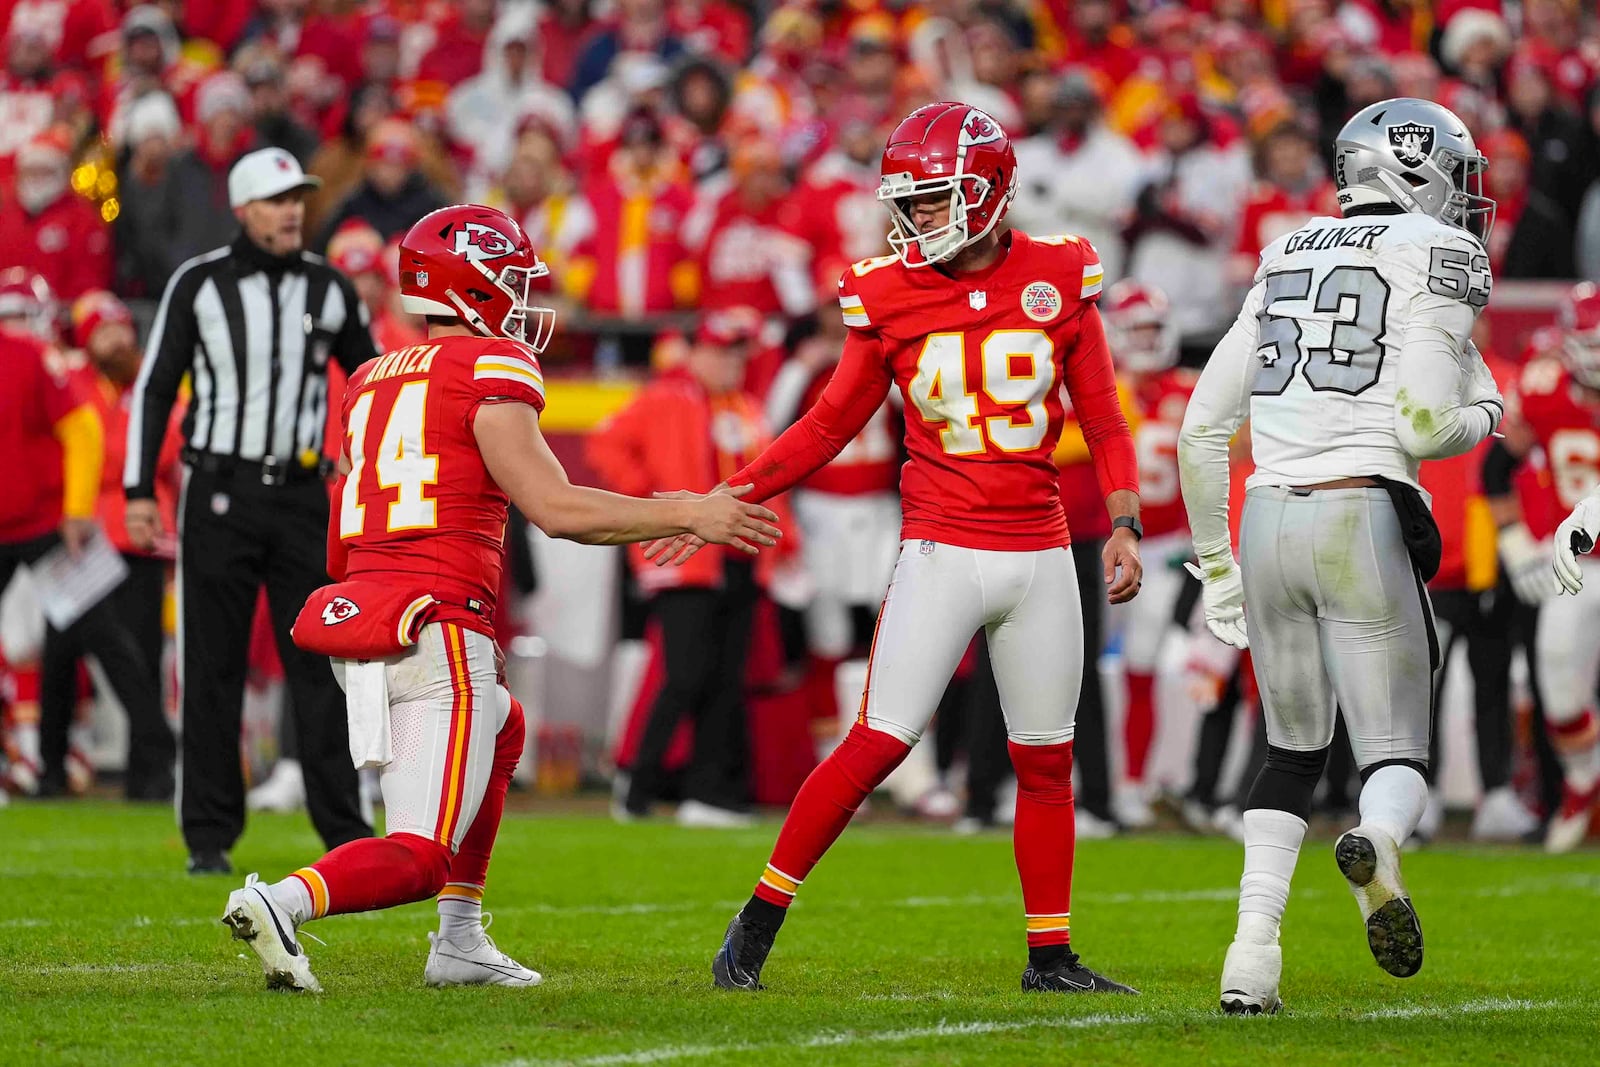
{"points": [[1129, 522]]}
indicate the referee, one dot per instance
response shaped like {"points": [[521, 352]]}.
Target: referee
{"points": [[255, 324]]}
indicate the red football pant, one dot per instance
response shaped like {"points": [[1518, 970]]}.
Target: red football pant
{"points": [[1044, 838], [830, 796], [384, 872], [1139, 728]]}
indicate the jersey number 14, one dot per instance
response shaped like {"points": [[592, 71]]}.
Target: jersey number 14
{"points": [[402, 463]]}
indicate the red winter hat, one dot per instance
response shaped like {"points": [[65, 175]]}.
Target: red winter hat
{"points": [[93, 310]]}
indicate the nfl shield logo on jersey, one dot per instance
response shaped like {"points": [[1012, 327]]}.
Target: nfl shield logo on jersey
{"points": [[1412, 142], [338, 610], [978, 299], [1041, 301]]}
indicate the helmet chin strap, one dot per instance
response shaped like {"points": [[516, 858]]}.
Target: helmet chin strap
{"points": [[469, 314]]}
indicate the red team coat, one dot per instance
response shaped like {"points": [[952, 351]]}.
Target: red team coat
{"points": [[36, 392], [418, 526], [980, 359], [1162, 399], [1566, 421]]}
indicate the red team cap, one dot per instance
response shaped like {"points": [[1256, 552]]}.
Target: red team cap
{"points": [[93, 310], [946, 147], [1580, 341], [27, 303], [356, 248], [730, 326], [475, 264], [1139, 327]]}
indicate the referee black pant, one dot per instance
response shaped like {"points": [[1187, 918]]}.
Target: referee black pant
{"points": [[105, 633], [237, 534]]}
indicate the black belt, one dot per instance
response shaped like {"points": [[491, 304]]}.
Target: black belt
{"points": [[269, 471]]}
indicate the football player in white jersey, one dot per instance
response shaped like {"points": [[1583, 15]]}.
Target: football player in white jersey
{"points": [[1352, 359]]}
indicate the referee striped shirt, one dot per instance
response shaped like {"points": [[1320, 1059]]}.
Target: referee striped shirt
{"points": [[256, 331]]}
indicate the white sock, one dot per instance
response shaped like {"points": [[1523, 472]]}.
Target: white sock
{"points": [[1393, 801], [291, 895], [461, 914], [1271, 846]]}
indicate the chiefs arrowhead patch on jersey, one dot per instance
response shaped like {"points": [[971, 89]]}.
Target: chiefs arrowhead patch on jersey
{"points": [[339, 609]]}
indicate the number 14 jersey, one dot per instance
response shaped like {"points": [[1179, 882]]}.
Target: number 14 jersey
{"points": [[1334, 307], [982, 359]]}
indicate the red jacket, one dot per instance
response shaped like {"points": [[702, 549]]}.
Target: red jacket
{"points": [[663, 441], [112, 402], [36, 393], [68, 242], [628, 262]]}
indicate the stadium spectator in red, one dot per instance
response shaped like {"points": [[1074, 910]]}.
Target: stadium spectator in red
{"points": [[635, 263], [563, 25], [704, 609], [1291, 187], [834, 208], [745, 256], [102, 331], [48, 228], [51, 436], [1561, 156], [457, 52], [1094, 39], [538, 190], [28, 91], [637, 26], [482, 113], [1474, 46], [151, 61], [393, 193], [1532, 236], [80, 34], [1556, 26], [712, 28]]}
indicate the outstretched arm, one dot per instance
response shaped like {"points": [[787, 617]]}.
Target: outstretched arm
{"points": [[520, 461]]}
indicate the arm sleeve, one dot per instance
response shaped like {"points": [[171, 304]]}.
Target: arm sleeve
{"points": [[82, 455], [1432, 418], [1092, 387], [1220, 402], [858, 387], [168, 356], [354, 345]]}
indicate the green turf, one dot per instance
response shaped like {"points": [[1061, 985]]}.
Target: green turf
{"points": [[905, 948]]}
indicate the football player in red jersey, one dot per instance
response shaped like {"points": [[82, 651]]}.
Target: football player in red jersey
{"points": [[1557, 407], [979, 329], [439, 437], [1144, 344]]}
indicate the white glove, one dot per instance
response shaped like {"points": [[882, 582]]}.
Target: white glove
{"points": [[1582, 525], [1480, 388], [1222, 592], [1527, 563]]}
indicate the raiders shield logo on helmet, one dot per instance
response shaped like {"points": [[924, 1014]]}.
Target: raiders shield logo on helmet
{"points": [[1412, 142]]}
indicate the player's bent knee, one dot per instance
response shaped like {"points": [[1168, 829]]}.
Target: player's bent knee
{"points": [[1288, 780], [867, 755], [430, 864], [1044, 772], [1041, 738], [904, 734], [1418, 765]]}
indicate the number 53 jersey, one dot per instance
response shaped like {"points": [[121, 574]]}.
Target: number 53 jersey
{"points": [[418, 506], [982, 358], [1335, 308]]}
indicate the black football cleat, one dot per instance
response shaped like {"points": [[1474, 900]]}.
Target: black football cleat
{"points": [[1068, 975], [209, 863], [738, 963]]}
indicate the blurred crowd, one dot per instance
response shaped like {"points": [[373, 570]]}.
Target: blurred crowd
{"points": [[668, 156], [697, 173]]}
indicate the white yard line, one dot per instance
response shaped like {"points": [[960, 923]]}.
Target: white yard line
{"points": [[1469, 1007]]}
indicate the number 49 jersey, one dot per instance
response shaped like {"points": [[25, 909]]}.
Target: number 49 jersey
{"points": [[418, 505], [1333, 304], [981, 359]]}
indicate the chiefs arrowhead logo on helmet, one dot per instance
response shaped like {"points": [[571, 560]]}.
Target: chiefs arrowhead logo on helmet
{"points": [[979, 128], [338, 610], [479, 242]]}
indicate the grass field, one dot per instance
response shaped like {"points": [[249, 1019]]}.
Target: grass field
{"points": [[905, 948]]}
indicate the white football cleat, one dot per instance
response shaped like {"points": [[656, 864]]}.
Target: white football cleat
{"points": [[283, 791], [699, 815], [1369, 859], [1571, 823], [257, 921], [1250, 979], [1229, 821], [1502, 817], [1132, 808], [1091, 827], [482, 964]]}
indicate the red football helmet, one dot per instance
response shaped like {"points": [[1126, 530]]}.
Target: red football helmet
{"points": [[954, 148], [27, 303], [475, 264], [1580, 325], [1139, 327]]}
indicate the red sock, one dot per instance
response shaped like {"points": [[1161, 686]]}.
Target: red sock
{"points": [[375, 872], [471, 864], [1139, 729], [830, 796], [1044, 838]]}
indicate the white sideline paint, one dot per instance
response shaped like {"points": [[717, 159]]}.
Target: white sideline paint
{"points": [[945, 1028]]}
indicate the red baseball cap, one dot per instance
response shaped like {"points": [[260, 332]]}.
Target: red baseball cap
{"points": [[730, 326]]}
